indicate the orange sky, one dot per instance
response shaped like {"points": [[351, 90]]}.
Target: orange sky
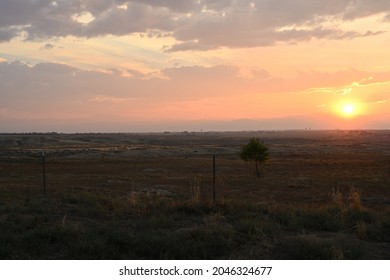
{"points": [[105, 65]]}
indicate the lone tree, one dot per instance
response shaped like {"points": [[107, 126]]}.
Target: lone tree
{"points": [[255, 151]]}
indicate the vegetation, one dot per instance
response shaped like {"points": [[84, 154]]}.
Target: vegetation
{"points": [[152, 198], [92, 226], [255, 151]]}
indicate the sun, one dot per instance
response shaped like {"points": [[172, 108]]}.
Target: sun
{"points": [[348, 109], [351, 109]]}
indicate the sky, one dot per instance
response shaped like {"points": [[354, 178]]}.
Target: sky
{"points": [[195, 65]]}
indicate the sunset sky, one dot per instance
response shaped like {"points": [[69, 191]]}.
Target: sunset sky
{"points": [[173, 65]]}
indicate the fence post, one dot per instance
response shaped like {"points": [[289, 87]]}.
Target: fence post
{"points": [[214, 179], [44, 171]]}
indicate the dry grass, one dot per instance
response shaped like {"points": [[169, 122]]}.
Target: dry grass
{"points": [[150, 197], [352, 200]]}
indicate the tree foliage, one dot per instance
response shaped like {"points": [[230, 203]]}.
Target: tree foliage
{"points": [[255, 150]]}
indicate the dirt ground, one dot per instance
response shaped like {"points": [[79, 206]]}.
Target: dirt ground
{"points": [[304, 166]]}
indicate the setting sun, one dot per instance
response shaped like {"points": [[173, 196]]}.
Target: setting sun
{"points": [[348, 109]]}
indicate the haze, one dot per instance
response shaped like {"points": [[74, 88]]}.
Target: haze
{"points": [[158, 65]]}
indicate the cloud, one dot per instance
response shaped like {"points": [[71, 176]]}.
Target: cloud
{"points": [[7, 34], [48, 46], [26, 85], [56, 91], [375, 101], [110, 99], [364, 8], [136, 18], [53, 81], [196, 24]]}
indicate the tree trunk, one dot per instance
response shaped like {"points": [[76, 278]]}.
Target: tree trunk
{"points": [[257, 170]]}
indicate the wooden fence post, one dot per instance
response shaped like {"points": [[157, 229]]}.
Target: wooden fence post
{"points": [[44, 171], [214, 179]]}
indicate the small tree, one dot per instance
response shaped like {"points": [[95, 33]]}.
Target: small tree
{"points": [[255, 151]]}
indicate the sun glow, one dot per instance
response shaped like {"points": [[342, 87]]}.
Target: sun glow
{"points": [[348, 109]]}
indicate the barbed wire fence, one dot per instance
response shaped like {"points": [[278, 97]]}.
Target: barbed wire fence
{"points": [[26, 157], [39, 157]]}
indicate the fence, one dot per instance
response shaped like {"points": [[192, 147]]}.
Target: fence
{"points": [[56, 169]]}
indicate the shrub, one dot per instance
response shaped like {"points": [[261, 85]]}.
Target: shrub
{"points": [[255, 151]]}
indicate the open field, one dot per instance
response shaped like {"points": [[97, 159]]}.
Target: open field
{"points": [[323, 195]]}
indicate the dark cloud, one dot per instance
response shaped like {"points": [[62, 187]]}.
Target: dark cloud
{"points": [[48, 46], [263, 23], [53, 68], [363, 8], [174, 5], [135, 18], [7, 34], [200, 25]]}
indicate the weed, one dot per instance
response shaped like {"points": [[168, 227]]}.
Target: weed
{"points": [[361, 230], [195, 182], [213, 220], [337, 198], [354, 199], [341, 201], [133, 199]]}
